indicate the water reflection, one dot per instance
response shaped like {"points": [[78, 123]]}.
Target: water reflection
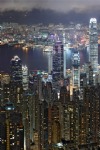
{"points": [[33, 58]]}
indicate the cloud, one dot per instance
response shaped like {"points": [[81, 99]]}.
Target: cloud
{"points": [[56, 5]]}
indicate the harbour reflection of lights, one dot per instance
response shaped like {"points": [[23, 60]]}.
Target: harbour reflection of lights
{"points": [[25, 49]]}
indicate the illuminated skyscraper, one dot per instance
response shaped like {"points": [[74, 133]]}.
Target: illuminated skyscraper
{"points": [[76, 70], [89, 117], [11, 129], [43, 126], [4, 88], [16, 80], [49, 62], [55, 123], [25, 77], [64, 53], [93, 44], [58, 68], [16, 70]]}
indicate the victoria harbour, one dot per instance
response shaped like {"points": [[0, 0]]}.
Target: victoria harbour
{"points": [[34, 58]]}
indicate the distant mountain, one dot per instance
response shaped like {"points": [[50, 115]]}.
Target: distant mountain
{"points": [[46, 16]]}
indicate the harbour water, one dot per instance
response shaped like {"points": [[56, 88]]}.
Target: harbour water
{"points": [[33, 58]]}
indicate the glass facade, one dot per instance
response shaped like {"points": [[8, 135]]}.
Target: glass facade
{"points": [[16, 70], [76, 69], [57, 74], [93, 39]]}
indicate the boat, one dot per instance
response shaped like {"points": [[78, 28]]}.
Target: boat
{"points": [[47, 49]]}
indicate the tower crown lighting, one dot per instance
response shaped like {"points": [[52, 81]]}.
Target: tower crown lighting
{"points": [[93, 20]]}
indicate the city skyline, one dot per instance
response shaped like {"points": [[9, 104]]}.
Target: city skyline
{"points": [[56, 107]]}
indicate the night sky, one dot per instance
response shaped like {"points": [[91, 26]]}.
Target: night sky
{"points": [[48, 11], [57, 5]]}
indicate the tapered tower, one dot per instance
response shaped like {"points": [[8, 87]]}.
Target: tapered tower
{"points": [[93, 44]]}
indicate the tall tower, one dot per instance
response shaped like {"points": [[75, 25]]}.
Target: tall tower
{"points": [[4, 88], [64, 53], [16, 80], [58, 68], [76, 70], [50, 62], [16, 70], [25, 77], [11, 128], [93, 39]]}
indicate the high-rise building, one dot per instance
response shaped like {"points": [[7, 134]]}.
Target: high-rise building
{"points": [[50, 62], [26, 119], [90, 76], [89, 117], [4, 88], [76, 69], [64, 119], [25, 77], [55, 124], [64, 53], [11, 129], [83, 83], [16, 70], [16, 80], [43, 126], [93, 44], [57, 73]]}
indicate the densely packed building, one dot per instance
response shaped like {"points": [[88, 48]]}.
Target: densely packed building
{"points": [[48, 111]]}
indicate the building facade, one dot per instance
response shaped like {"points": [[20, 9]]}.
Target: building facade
{"points": [[93, 44]]}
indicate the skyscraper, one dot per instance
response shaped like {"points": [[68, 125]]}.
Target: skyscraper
{"points": [[16, 80], [25, 77], [58, 68], [76, 69], [93, 44], [49, 62], [4, 88], [16, 70], [64, 53], [11, 128]]}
